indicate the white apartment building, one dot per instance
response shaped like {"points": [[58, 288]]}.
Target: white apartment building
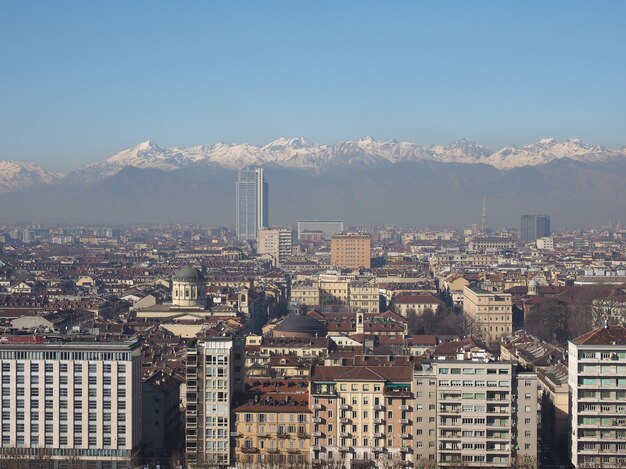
{"points": [[276, 243], [209, 399], [491, 314], [77, 399], [545, 244], [474, 412], [597, 383]]}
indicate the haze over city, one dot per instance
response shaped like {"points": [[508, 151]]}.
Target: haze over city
{"points": [[312, 235]]}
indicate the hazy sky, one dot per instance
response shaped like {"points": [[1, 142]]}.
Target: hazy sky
{"points": [[81, 80]]}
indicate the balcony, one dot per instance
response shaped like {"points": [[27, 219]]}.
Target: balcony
{"points": [[378, 449], [317, 420], [283, 435], [406, 436], [344, 420], [405, 407], [379, 421], [317, 406], [379, 407], [344, 435], [273, 450], [344, 407], [293, 450], [235, 434], [345, 449], [317, 434], [405, 421], [303, 435], [249, 450], [405, 449], [379, 435], [316, 448]]}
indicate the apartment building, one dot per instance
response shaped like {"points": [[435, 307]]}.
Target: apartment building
{"points": [[490, 314], [362, 414], [350, 251], [273, 429], [276, 243], [210, 374], [76, 399], [357, 294], [597, 384], [474, 412]]}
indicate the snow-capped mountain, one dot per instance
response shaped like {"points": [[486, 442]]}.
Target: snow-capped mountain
{"points": [[19, 175]]}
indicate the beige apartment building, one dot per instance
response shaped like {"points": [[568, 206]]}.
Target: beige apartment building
{"points": [[273, 429], [77, 399], [350, 251], [597, 387], [328, 291], [490, 314], [276, 243], [362, 414]]}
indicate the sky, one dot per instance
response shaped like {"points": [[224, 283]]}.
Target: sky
{"points": [[80, 80]]}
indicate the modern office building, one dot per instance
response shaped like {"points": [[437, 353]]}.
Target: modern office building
{"points": [[209, 399], [72, 400], [252, 203], [533, 227], [350, 251], [275, 242], [597, 384], [490, 314]]}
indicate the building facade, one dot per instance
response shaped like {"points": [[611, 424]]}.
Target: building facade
{"points": [[490, 314], [533, 227], [328, 228], [597, 388], [72, 400], [252, 203], [210, 375], [350, 251], [275, 242]]}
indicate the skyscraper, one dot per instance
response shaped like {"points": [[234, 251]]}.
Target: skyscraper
{"points": [[252, 203], [533, 227]]}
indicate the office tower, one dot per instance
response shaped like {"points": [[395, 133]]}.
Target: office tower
{"points": [[474, 412], [350, 251], [275, 242], [252, 203], [329, 228], [533, 227], [75, 399], [490, 314], [209, 398], [597, 384]]}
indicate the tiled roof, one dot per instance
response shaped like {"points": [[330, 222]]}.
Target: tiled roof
{"points": [[610, 335]]}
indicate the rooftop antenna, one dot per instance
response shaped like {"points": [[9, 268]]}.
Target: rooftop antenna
{"points": [[484, 215]]}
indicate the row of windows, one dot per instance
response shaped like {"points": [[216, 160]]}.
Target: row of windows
{"points": [[69, 356]]}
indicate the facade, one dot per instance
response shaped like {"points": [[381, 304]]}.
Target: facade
{"points": [[533, 227], [597, 387], [350, 251], [545, 243], [275, 242], [209, 398], [403, 303], [362, 414], [71, 400], [328, 228], [273, 429], [473, 412], [188, 288], [491, 314], [252, 203], [364, 296]]}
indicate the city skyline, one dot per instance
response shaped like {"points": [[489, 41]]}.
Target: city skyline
{"points": [[410, 72]]}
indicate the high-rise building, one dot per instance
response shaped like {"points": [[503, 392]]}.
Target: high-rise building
{"points": [[329, 228], [275, 242], [533, 227], [209, 399], [350, 251], [71, 400], [490, 314], [597, 384], [252, 203]]}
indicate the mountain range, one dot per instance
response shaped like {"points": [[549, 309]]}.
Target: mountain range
{"points": [[361, 181]]}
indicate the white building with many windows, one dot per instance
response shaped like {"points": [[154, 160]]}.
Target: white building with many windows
{"points": [[70, 400], [597, 383]]}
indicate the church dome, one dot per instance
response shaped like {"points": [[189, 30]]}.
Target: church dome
{"points": [[297, 325], [188, 274]]}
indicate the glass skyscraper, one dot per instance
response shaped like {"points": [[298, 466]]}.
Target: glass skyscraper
{"points": [[252, 203], [533, 227]]}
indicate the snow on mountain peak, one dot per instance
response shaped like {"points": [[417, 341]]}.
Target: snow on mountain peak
{"points": [[19, 174]]}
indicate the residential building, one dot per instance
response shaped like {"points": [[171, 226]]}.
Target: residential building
{"points": [[597, 387], [275, 243], [209, 383], [328, 228], [533, 227], [350, 251], [403, 303], [490, 314], [545, 244], [75, 399], [252, 203]]}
